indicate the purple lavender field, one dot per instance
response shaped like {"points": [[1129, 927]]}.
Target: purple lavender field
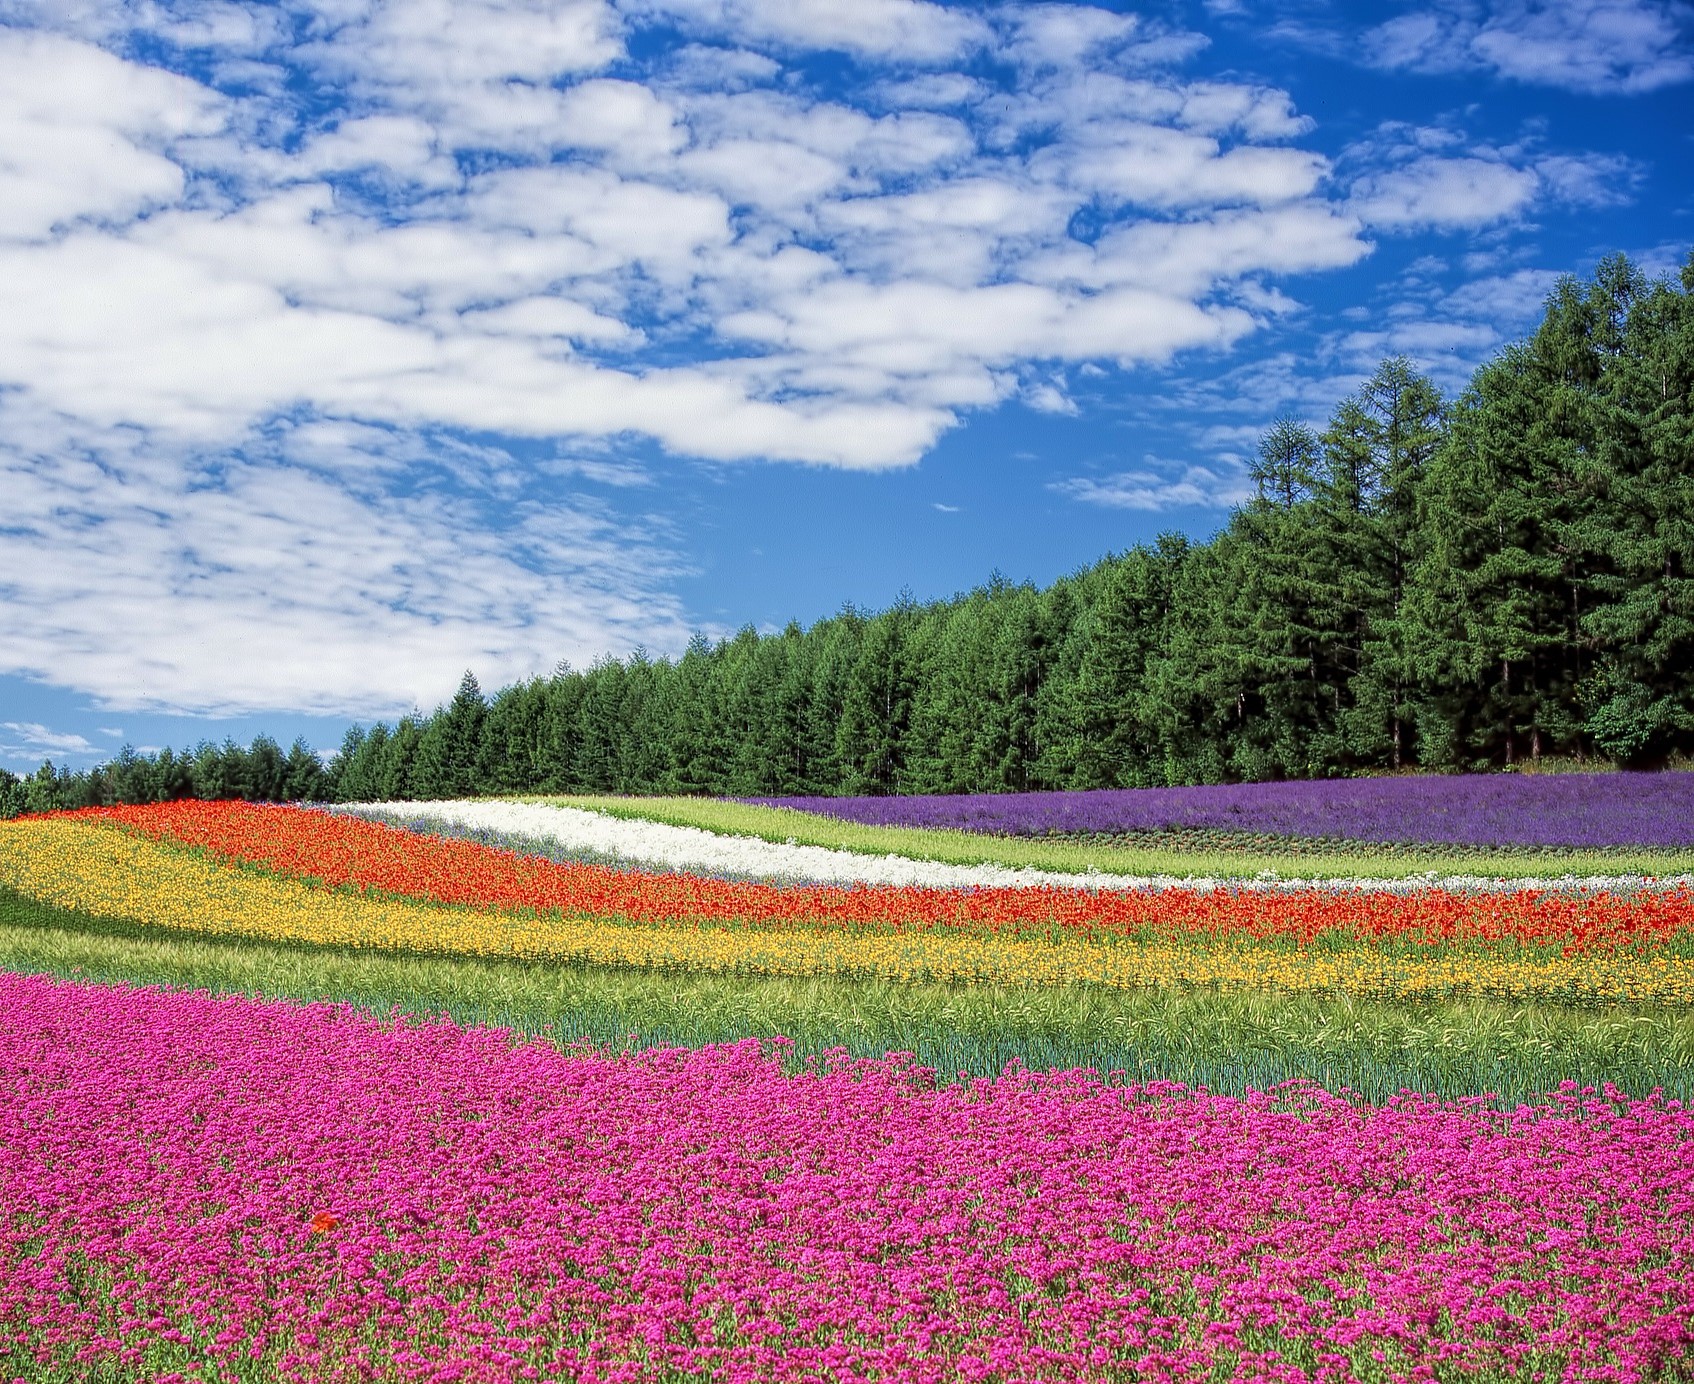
{"points": [[1482, 810]]}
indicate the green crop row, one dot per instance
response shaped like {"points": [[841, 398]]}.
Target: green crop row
{"points": [[1227, 1041], [783, 824]]}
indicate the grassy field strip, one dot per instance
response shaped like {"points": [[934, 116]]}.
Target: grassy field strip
{"points": [[1228, 1041], [787, 826]]}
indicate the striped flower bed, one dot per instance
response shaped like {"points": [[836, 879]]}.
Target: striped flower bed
{"points": [[285, 874], [635, 843]]}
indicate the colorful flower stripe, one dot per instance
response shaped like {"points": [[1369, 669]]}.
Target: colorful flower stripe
{"points": [[1577, 810], [347, 851], [575, 835], [82, 864], [305, 1194]]}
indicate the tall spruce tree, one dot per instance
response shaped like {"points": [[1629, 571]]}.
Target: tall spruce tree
{"points": [[1395, 425], [448, 750], [1497, 593], [1638, 696]]}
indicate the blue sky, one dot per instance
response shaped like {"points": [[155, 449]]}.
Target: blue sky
{"points": [[347, 344]]}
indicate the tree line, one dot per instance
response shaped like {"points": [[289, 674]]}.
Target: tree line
{"points": [[1443, 584]]}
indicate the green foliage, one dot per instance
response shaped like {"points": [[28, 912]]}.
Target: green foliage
{"points": [[12, 799], [262, 772], [449, 749]]}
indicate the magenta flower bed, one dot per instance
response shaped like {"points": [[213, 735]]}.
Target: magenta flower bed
{"points": [[302, 1193], [1577, 810]]}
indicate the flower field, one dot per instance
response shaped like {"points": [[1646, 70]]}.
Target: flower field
{"points": [[504, 1090], [235, 1187], [1498, 810]]}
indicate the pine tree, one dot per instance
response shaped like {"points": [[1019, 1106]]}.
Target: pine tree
{"points": [[877, 702], [450, 744], [1402, 416], [1639, 695], [1125, 631]]}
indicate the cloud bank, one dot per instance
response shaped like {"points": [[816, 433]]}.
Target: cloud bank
{"points": [[319, 319]]}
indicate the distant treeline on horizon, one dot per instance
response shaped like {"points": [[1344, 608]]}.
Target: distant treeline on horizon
{"points": [[1448, 585]]}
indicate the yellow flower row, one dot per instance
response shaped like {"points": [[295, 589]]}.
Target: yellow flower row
{"points": [[104, 871]]}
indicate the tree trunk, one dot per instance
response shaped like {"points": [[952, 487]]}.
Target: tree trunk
{"points": [[1506, 692]]}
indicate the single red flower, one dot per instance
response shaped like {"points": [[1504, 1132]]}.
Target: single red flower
{"points": [[324, 1222]]}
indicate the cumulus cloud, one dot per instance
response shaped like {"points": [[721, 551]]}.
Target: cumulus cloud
{"points": [[1444, 192], [1058, 35], [1590, 180], [29, 740], [158, 581], [1162, 486], [908, 30], [1595, 46], [85, 134], [508, 298], [1432, 179]]}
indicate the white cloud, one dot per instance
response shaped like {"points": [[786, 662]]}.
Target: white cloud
{"points": [[548, 317], [1599, 46], [1511, 301], [479, 69], [620, 222], [401, 146], [1257, 112], [28, 739], [1156, 166], [473, 309], [931, 91], [81, 133], [1049, 396], [1060, 35], [1171, 486], [1450, 348], [906, 30], [705, 67], [621, 119], [1591, 180], [907, 330], [1444, 193], [1190, 257], [1426, 179], [621, 475], [169, 581], [1423, 40], [1589, 45]]}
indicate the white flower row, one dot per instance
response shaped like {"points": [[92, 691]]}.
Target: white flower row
{"points": [[660, 846]]}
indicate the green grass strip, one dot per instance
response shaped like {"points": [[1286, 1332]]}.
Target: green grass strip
{"points": [[783, 824], [1227, 1041]]}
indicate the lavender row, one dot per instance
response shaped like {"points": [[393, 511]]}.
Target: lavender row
{"points": [[1581, 811]]}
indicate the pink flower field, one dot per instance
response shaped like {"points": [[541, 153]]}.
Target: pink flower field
{"points": [[198, 1188]]}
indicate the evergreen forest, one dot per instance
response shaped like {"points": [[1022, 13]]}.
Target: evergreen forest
{"points": [[1482, 582]]}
